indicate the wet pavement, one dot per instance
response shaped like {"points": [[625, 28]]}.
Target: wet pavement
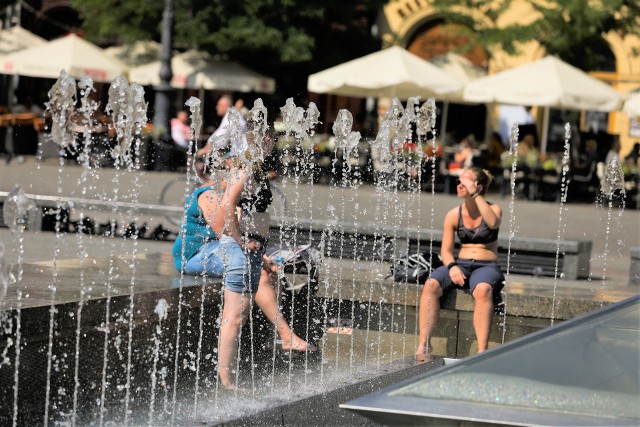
{"points": [[139, 266]]}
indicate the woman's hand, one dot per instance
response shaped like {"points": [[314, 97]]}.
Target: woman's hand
{"points": [[269, 265], [457, 276], [470, 186]]}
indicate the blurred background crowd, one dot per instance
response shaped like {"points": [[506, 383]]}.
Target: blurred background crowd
{"points": [[231, 53]]}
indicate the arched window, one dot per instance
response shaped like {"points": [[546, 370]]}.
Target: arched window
{"points": [[435, 38]]}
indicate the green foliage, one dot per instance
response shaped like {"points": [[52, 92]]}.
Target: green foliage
{"points": [[570, 29], [283, 29], [284, 39], [574, 32]]}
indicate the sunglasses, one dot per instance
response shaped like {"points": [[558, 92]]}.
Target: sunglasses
{"points": [[458, 182]]}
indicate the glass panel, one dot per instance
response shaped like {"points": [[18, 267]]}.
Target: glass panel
{"points": [[591, 368]]}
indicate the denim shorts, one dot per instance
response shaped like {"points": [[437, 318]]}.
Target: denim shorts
{"points": [[475, 271], [225, 258]]}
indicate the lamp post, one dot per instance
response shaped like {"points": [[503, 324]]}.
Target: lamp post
{"points": [[164, 92]]}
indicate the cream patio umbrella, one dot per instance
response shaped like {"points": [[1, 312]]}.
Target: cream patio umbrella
{"points": [[465, 71], [632, 105], [17, 38], [549, 83], [391, 72], [197, 70], [71, 53], [135, 54], [459, 67]]}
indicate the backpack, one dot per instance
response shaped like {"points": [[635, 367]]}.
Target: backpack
{"points": [[414, 268]]}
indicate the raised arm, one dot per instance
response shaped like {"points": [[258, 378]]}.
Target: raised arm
{"points": [[220, 209], [491, 214], [448, 237]]}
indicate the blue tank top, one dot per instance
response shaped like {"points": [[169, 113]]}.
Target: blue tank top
{"points": [[195, 230], [481, 234]]}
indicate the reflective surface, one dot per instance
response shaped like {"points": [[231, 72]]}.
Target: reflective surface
{"points": [[585, 371]]}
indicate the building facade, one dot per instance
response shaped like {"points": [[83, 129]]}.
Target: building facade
{"points": [[416, 26]]}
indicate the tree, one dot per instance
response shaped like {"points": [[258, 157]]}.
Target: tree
{"points": [[287, 39], [571, 29]]}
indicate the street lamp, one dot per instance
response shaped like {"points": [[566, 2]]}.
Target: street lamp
{"points": [[164, 91]]}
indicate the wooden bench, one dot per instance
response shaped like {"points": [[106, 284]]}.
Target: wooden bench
{"points": [[569, 259]]}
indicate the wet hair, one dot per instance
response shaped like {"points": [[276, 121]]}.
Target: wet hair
{"points": [[483, 176]]}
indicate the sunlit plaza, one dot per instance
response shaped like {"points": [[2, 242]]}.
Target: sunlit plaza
{"points": [[365, 152]]}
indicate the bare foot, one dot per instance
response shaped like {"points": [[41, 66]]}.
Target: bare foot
{"points": [[228, 385], [423, 356], [297, 344]]}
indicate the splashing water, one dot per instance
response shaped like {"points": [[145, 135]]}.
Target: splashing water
{"points": [[128, 112], [561, 224], [194, 105], [426, 121], [513, 150], [161, 309], [17, 214], [346, 139], [5, 279], [87, 109], [612, 186], [20, 212], [62, 99], [293, 118], [613, 180], [399, 150]]}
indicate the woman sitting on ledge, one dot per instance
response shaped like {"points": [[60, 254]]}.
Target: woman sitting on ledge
{"points": [[476, 221], [212, 243]]}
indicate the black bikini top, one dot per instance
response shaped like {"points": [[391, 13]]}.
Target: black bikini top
{"points": [[481, 234]]}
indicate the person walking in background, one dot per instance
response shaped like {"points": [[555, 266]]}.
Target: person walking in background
{"points": [[614, 153], [221, 136], [476, 222], [180, 131], [631, 159], [173, 156]]}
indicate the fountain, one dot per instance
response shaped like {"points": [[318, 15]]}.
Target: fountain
{"points": [[118, 337]]}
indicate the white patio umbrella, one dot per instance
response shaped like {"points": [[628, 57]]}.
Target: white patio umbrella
{"points": [[135, 54], [14, 39], [197, 70], [465, 71], [632, 105], [71, 53], [459, 67], [391, 72], [548, 83]]}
